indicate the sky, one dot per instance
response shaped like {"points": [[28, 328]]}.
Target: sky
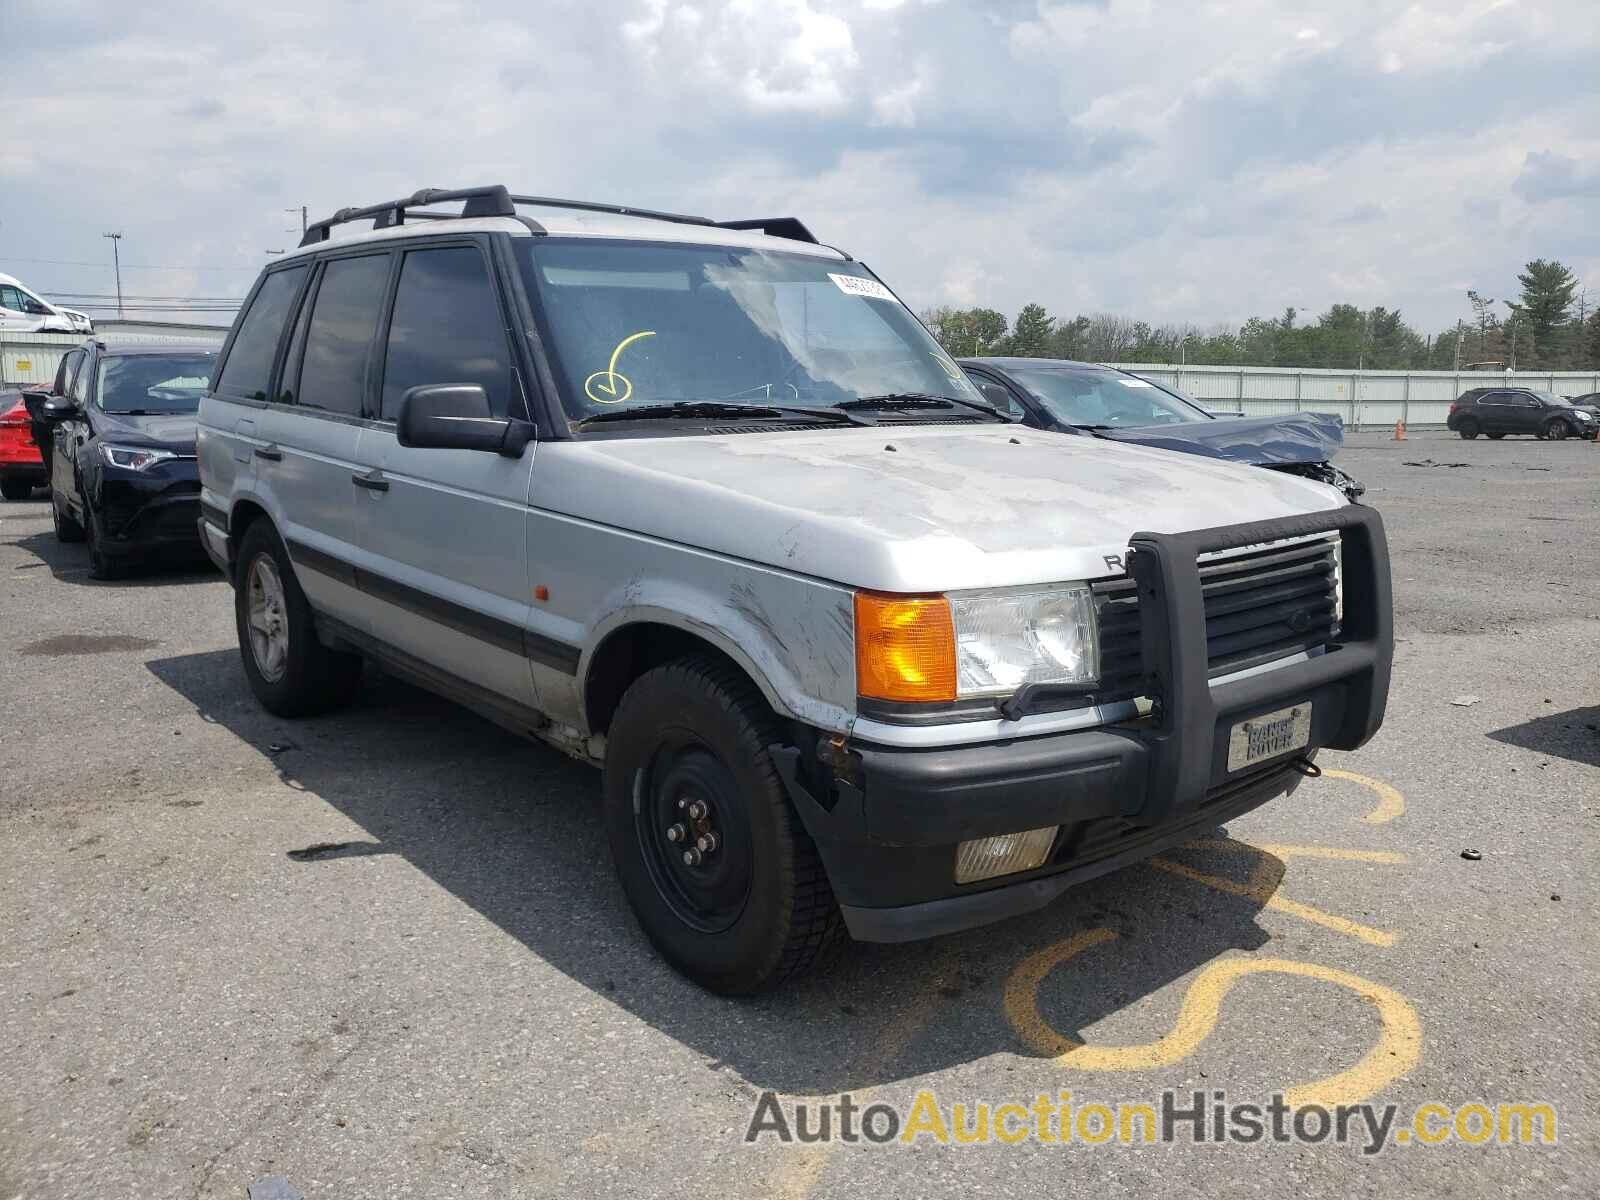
{"points": [[1177, 161]]}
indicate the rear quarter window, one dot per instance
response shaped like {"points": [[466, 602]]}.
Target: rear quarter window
{"points": [[248, 372]]}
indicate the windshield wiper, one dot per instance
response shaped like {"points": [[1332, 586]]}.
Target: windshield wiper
{"points": [[717, 410], [921, 400]]}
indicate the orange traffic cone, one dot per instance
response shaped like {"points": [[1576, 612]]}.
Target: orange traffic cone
{"points": [[1399, 431]]}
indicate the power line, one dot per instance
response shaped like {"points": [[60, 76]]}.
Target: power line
{"points": [[68, 262]]}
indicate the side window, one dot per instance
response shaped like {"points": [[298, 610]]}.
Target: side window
{"points": [[248, 370], [344, 318], [447, 328], [996, 394], [80, 384], [289, 381], [67, 372], [11, 298]]}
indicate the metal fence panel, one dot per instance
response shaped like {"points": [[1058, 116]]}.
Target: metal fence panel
{"points": [[1362, 398], [33, 357]]}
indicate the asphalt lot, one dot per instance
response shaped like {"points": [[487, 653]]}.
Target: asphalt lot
{"points": [[456, 1001]]}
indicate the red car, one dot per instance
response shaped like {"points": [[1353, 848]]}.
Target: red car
{"points": [[21, 465]]}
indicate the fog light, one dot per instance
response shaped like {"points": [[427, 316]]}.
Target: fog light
{"points": [[1004, 855]]}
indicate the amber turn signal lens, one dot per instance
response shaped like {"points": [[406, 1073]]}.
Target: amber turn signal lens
{"points": [[905, 648]]}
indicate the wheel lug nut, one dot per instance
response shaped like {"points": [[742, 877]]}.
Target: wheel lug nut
{"points": [[691, 857], [707, 842], [676, 833], [697, 809]]}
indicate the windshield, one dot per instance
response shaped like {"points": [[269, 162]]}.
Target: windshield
{"points": [[1093, 397], [631, 324], [152, 383]]}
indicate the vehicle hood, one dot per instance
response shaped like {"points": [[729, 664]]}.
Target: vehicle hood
{"points": [[906, 509], [169, 431], [1295, 438]]}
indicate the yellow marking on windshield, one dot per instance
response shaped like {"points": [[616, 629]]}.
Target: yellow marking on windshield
{"points": [[615, 387]]}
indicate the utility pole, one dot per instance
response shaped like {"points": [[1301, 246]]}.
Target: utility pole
{"points": [[1458, 345], [116, 264]]}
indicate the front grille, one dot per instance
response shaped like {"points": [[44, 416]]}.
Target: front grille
{"points": [[1260, 606]]}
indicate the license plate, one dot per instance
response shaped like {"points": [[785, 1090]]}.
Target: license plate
{"points": [[1268, 736]]}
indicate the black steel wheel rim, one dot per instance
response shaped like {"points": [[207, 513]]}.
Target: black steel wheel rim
{"points": [[694, 834]]}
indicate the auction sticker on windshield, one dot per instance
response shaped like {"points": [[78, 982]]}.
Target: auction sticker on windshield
{"points": [[856, 286], [1269, 735]]}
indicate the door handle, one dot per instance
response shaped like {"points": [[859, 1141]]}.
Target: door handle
{"points": [[270, 453], [373, 481]]}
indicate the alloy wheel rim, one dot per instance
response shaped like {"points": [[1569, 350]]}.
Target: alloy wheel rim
{"points": [[266, 615]]}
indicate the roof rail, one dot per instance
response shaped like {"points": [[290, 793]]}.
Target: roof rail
{"points": [[496, 201], [493, 201], [621, 210]]}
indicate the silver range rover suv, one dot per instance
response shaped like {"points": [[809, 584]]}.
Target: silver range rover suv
{"points": [[705, 505]]}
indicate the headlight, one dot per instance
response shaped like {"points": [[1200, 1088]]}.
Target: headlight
{"points": [[1009, 639], [133, 458], [922, 649]]}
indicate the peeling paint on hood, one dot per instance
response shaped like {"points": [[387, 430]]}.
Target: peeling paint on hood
{"points": [[946, 508]]}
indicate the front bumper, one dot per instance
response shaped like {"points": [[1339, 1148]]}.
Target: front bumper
{"points": [[887, 821], [143, 512]]}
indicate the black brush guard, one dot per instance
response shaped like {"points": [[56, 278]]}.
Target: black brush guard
{"points": [[1184, 735]]}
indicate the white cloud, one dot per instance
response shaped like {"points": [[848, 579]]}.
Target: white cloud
{"points": [[1183, 162]]}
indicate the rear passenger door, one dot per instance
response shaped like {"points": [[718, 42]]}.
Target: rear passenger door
{"points": [[311, 432], [1494, 414], [446, 528]]}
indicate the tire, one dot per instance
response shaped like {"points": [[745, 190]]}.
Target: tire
{"points": [[1468, 429], [1495, 437], [291, 672], [16, 489], [1555, 431], [101, 564], [758, 909], [67, 530]]}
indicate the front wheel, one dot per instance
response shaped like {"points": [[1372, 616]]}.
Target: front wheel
{"points": [[1468, 430], [291, 672], [713, 858], [67, 530], [1556, 431], [101, 564]]}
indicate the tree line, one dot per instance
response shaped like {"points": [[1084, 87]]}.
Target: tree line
{"points": [[1551, 326]]}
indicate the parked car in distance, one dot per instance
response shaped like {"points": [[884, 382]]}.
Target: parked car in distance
{"points": [[1107, 402], [21, 467], [1498, 411], [22, 310], [122, 456], [706, 506]]}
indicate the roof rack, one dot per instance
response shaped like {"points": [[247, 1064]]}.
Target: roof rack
{"points": [[496, 201], [784, 227]]}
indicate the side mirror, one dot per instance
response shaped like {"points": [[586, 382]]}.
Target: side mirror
{"points": [[58, 408], [456, 416]]}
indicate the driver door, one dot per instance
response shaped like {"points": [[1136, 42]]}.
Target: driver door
{"points": [[446, 530]]}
